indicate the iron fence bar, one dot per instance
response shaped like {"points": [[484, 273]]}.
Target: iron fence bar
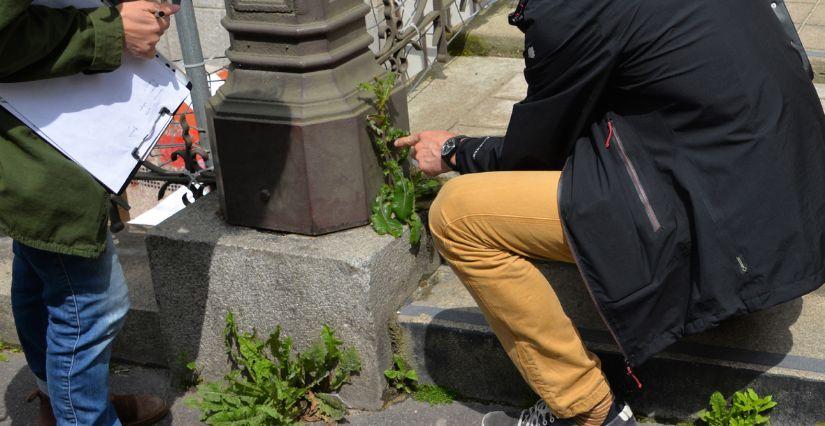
{"points": [[178, 178], [403, 40]]}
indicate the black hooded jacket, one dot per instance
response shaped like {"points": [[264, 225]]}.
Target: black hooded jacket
{"points": [[693, 148]]}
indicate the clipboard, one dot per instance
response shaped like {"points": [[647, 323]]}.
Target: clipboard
{"points": [[107, 122]]}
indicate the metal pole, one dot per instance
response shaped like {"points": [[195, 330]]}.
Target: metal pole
{"points": [[190, 45]]}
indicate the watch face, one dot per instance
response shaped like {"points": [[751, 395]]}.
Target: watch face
{"points": [[448, 147]]}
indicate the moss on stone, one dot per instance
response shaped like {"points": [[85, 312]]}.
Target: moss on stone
{"points": [[469, 44], [483, 37], [434, 395]]}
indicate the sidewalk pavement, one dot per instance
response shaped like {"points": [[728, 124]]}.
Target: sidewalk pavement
{"points": [[17, 382], [471, 94], [809, 17], [474, 95], [493, 36]]}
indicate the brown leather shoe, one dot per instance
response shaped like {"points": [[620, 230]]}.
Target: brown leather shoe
{"points": [[132, 410], [139, 410], [45, 417]]}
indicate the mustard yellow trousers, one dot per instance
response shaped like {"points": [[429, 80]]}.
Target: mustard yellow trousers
{"points": [[488, 226]]}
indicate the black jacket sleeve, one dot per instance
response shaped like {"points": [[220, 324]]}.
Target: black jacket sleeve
{"points": [[568, 62], [478, 154]]}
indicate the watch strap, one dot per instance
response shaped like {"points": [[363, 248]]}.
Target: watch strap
{"points": [[447, 155]]}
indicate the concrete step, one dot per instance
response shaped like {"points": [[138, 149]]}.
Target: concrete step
{"points": [[780, 351], [139, 341]]}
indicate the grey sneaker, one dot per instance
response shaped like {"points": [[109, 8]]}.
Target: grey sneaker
{"points": [[540, 415]]}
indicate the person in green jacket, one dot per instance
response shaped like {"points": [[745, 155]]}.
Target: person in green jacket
{"points": [[69, 296]]}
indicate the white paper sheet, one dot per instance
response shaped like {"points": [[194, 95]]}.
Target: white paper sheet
{"points": [[170, 205], [97, 120]]}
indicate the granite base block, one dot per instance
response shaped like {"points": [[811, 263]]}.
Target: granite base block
{"points": [[353, 281]]}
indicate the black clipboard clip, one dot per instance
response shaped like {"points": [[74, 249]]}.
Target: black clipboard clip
{"points": [[136, 152]]}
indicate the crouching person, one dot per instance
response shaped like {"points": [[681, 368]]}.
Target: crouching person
{"points": [[658, 144]]}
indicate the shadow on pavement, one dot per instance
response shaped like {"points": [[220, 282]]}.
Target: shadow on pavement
{"points": [[18, 411], [124, 379]]}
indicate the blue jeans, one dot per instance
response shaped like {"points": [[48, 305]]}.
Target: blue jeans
{"points": [[68, 310]]}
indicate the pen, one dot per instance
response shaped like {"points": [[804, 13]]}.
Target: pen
{"points": [[159, 13]]}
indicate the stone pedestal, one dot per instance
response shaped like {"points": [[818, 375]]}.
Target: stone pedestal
{"points": [[352, 280]]}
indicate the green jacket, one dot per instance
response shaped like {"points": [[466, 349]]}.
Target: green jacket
{"points": [[47, 201]]}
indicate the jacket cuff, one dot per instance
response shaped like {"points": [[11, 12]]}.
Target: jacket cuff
{"points": [[108, 28], [476, 155]]}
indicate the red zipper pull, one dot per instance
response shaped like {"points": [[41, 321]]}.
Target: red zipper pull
{"points": [[609, 134], [633, 376], [517, 16]]}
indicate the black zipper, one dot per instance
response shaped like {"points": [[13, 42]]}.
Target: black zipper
{"points": [[574, 252], [634, 176]]}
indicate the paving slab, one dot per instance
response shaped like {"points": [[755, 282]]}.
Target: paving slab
{"points": [[474, 95], [799, 11], [415, 413], [470, 95], [514, 90], [16, 382], [815, 17], [451, 96], [411, 412]]}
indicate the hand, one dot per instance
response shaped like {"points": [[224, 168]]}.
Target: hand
{"points": [[141, 29], [425, 147]]}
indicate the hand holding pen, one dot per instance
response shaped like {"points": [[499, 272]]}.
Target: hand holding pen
{"points": [[159, 13], [144, 22]]}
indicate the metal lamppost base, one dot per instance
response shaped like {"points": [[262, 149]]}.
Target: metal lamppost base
{"points": [[289, 124]]}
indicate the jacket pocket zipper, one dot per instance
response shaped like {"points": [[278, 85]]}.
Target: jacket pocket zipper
{"points": [[587, 285], [634, 176]]}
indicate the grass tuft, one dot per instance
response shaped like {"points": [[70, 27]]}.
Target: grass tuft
{"points": [[7, 347], [434, 395]]}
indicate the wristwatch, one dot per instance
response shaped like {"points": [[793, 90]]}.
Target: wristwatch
{"points": [[449, 148]]}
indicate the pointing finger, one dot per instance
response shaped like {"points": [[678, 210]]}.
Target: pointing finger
{"points": [[407, 140]]}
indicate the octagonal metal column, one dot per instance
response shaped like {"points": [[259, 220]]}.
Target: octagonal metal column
{"points": [[293, 153]]}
